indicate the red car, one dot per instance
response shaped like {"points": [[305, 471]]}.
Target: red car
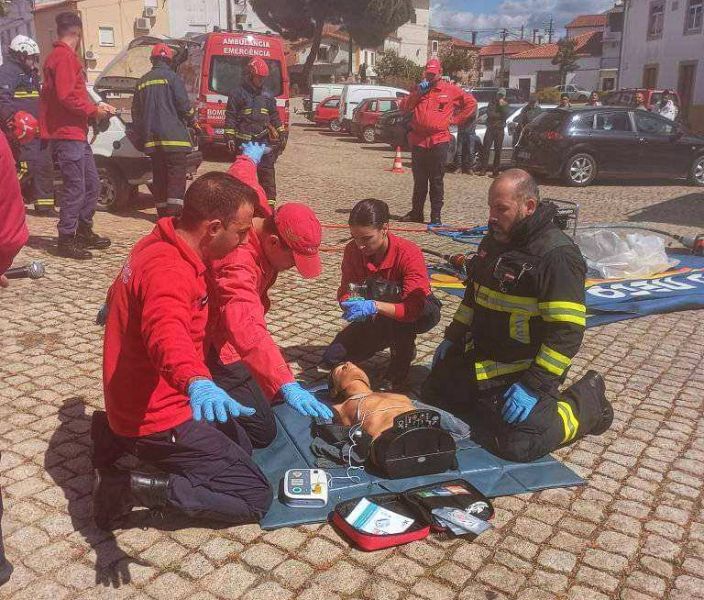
{"points": [[367, 115], [328, 113]]}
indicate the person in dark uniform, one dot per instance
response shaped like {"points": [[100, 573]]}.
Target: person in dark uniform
{"points": [[384, 294], [161, 115], [252, 116], [527, 114], [19, 91], [514, 335], [497, 112]]}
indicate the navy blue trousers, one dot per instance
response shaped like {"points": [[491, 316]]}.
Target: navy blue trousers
{"points": [[81, 184]]}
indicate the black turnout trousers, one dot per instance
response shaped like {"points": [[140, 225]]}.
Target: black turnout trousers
{"points": [[429, 174]]}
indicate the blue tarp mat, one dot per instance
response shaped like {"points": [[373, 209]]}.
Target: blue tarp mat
{"points": [[608, 301], [491, 475]]}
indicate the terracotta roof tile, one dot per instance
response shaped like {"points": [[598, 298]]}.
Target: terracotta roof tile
{"points": [[587, 21], [587, 43], [512, 47]]}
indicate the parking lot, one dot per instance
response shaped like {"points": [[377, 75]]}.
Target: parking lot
{"points": [[636, 531]]}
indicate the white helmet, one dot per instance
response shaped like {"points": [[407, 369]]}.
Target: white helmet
{"points": [[24, 44]]}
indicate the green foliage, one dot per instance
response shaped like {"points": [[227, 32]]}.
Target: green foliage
{"points": [[393, 69], [566, 58], [455, 60], [4, 7], [549, 95]]}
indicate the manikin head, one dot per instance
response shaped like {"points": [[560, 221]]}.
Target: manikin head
{"points": [[369, 226], [69, 28], [513, 196], [217, 214], [342, 377]]}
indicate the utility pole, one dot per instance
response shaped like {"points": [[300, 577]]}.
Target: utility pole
{"points": [[523, 30], [535, 35], [504, 35], [550, 29], [228, 12]]}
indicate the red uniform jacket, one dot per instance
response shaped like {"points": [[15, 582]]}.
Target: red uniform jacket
{"points": [[64, 104], [13, 227], [403, 264], [241, 281], [434, 111], [245, 170], [153, 347]]}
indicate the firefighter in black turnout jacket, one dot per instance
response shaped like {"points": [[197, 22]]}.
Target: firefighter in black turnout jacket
{"points": [[251, 116], [19, 91], [513, 338], [161, 115]]}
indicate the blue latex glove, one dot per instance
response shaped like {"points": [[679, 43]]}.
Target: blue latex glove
{"points": [[358, 310], [441, 352], [211, 402], [519, 403], [300, 399], [424, 86], [255, 151]]}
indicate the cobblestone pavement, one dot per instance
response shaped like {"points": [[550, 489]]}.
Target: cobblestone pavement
{"points": [[636, 531]]}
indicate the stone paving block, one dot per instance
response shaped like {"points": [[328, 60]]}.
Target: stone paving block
{"points": [[169, 586], [320, 552], [400, 569], [219, 548], [612, 541], [343, 578], [501, 578], [195, 565], [268, 591], [598, 579], [579, 592], [383, 590], [263, 556], [164, 554], [293, 573], [229, 581], [557, 560]]}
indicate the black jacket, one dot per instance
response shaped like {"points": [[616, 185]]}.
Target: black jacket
{"points": [[19, 90], [161, 111], [249, 113], [523, 315]]}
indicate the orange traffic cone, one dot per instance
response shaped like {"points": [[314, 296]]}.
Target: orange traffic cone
{"points": [[398, 165]]}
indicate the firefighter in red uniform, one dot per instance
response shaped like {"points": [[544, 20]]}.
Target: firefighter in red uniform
{"points": [[384, 293], [161, 401], [435, 104], [245, 360]]}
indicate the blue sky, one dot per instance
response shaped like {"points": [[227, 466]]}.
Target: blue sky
{"points": [[459, 17]]}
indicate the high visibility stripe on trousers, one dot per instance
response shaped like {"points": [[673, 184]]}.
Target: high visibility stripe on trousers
{"points": [[569, 421], [464, 314], [489, 369], [44, 202], [26, 95]]}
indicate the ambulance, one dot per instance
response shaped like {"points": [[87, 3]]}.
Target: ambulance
{"points": [[216, 63]]}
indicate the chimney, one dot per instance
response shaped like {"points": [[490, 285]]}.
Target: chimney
{"points": [[474, 38]]}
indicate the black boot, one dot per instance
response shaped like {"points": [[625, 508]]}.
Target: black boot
{"points": [[435, 219], [68, 248], [595, 412], [87, 238], [411, 217], [105, 451], [117, 492]]}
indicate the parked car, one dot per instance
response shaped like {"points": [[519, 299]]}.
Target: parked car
{"points": [[318, 93], [626, 97], [328, 113], [367, 115], [487, 94], [580, 145], [354, 93], [576, 94]]}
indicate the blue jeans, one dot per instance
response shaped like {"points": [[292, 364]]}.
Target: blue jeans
{"points": [[81, 184], [466, 144]]}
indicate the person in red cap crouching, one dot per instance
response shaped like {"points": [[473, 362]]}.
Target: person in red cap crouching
{"points": [[436, 104], [244, 359], [161, 114]]}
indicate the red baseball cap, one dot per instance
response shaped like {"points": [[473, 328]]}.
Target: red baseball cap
{"points": [[300, 229], [433, 66], [162, 50]]}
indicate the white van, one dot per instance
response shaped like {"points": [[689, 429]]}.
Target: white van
{"points": [[354, 93]]}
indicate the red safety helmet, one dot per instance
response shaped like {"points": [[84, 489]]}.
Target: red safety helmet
{"points": [[257, 66], [23, 127], [162, 51], [433, 66]]}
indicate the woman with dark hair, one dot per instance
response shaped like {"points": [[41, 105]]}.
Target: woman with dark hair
{"points": [[384, 294]]}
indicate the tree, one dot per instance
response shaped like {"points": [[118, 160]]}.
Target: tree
{"points": [[368, 22], [389, 64], [565, 59], [455, 60], [4, 7]]}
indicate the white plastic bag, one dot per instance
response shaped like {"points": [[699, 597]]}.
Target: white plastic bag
{"points": [[627, 255]]}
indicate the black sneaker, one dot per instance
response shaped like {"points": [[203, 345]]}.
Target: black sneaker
{"points": [[596, 381], [68, 248], [435, 220], [87, 238], [411, 217]]}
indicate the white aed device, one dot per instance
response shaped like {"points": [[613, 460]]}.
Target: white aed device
{"points": [[306, 488]]}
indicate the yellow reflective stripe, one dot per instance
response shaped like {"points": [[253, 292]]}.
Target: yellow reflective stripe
{"points": [[566, 312], [155, 143], [519, 328], [464, 314], [264, 111], [230, 131], [44, 202], [20, 94], [145, 84], [552, 361], [282, 128], [469, 346], [569, 421], [505, 302], [488, 369], [243, 136], [22, 170], [247, 111]]}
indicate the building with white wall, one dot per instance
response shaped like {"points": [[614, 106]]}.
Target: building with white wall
{"points": [[413, 36], [19, 20], [495, 56], [585, 24], [663, 47], [201, 16]]}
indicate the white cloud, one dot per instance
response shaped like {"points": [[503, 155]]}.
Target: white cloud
{"points": [[512, 14]]}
